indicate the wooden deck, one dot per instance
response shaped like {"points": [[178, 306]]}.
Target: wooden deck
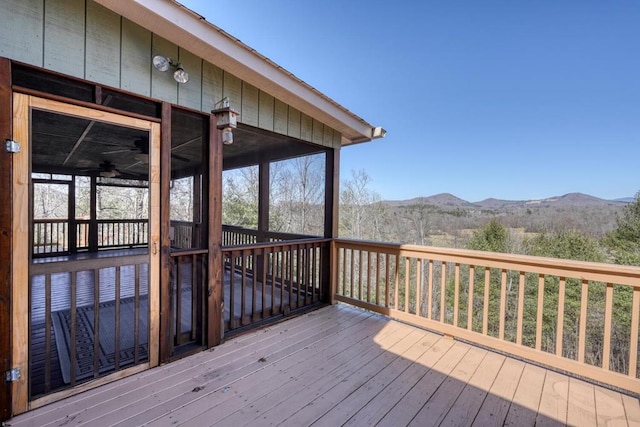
{"points": [[343, 366]]}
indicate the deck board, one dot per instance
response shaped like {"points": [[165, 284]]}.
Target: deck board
{"points": [[341, 365]]}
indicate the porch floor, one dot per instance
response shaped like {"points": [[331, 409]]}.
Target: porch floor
{"points": [[341, 365]]}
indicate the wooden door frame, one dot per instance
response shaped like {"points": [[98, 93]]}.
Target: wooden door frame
{"points": [[6, 168], [22, 105]]}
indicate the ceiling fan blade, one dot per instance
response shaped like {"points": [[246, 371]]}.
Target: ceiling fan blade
{"points": [[118, 151], [182, 159]]}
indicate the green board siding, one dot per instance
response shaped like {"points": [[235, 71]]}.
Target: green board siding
{"points": [[212, 81], [135, 67], [294, 123], [232, 89], [318, 132], [190, 94], [265, 112], [249, 110], [64, 33], [280, 117], [163, 86], [21, 33], [306, 128], [103, 45], [84, 39]]}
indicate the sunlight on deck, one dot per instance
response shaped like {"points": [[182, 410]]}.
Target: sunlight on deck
{"points": [[343, 366]]}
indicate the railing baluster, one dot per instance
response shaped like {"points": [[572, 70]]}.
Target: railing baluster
{"points": [[47, 333], [387, 287], [407, 273], [352, 272], [520, 322], [633, 345], [485, 305], [377, 290], [472, 276], [368, 276], [243, 287], [74, 328], [96, 323], [430, 291], [540, 312], [443, 291], [116, 359], [360, 285], [456, 294], [582, 331], [232, 290], [560, 320], [418, 285], [608, 314], [503, 303]]}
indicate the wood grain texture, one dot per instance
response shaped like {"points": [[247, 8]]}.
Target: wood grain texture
{"points": [[6, 234], [336, 366], [318, 132], [163, 86], [64, 37], [135, 69], [103, 47], [280, 117], [212, 82], [306, 127], [20, 254], [250, 102], [215, 324], [232, 89], [294, 123], [21, 35], [190, 93], [266, 111]]}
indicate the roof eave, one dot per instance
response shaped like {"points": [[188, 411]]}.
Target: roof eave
{"points": [[180, 25]]}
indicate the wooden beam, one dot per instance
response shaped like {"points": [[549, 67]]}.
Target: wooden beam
{"points": [[214, 290], [6, 180], [331, 204], [165, 241]]}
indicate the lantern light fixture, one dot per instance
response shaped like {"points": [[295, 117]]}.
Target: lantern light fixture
{"points": [[226, 119], [163, 63]]}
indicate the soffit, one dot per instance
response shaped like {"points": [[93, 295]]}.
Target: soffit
{"points": [[185, 28]]}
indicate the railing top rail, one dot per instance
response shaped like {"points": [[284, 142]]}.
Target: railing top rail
{"points": [[86, 264], [187, 252], [601, 272], [275, 244]]}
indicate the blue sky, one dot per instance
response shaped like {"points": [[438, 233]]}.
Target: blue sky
{"points": [[481, 98]]}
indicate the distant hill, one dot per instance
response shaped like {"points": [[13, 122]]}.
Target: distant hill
{"points": [[447, 200], [440, 200]]}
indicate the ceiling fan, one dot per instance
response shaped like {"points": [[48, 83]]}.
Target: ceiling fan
{"points": [[106, 169], [141, 149]]}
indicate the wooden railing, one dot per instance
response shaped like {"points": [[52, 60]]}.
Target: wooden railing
{"points": [[72, 304], [188, 285], [575, 316], [272, 279], [54, 236], [185, 234], [50, 236], [235, 236]]}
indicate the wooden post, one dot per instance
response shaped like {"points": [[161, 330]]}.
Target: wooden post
{"points": [[263, 215], [215, 322], [71, 216], [93, 215], [165, 241], [6, 180], [331, 203]]}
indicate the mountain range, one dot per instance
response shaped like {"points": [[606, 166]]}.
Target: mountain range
{"points": [[447, 200]]}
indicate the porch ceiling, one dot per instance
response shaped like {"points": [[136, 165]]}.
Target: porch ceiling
{"points": [[72, 145]]}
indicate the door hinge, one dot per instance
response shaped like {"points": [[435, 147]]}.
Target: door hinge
{"points": [[11, 146], [12, 375]]}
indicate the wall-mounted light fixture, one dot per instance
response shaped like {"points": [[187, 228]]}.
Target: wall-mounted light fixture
{"points": [[163, 63], [226, 119]]}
